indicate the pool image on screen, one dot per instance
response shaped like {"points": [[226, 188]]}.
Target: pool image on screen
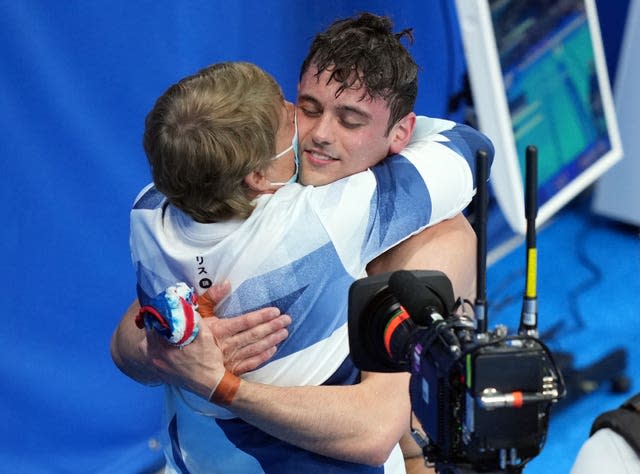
{"points": [[538, 77], [563, 116]]}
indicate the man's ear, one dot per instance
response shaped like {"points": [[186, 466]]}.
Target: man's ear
{"points": [[401, 132]]}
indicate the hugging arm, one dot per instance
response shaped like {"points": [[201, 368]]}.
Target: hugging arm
{"points": [[358, 423], [450, 247]]}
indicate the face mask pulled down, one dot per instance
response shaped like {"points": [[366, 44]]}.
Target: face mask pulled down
{"points": [[296, 155]]}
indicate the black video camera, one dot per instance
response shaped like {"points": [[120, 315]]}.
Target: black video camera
{"points": [[483, 399]]}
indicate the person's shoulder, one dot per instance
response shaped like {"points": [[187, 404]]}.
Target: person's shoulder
{"points": [[148, 198], [606, 451]]}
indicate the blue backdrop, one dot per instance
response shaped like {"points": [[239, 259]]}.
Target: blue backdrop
{"points": [[77, 79]]}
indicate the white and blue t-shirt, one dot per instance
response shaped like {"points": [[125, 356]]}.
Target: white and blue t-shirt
{"points": [[300, 250]]}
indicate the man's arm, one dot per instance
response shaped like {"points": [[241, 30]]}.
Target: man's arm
{"points": [[359, 423], [126, 353], [450, 247], [246, 342]]}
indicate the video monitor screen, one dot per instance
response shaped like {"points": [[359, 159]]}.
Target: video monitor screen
{"points": [[550, 89]]}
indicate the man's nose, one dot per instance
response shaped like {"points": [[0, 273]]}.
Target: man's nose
{"points": [[322, 132]]}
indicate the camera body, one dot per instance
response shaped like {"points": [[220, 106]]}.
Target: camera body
{"points": [[483, 399], [465, 429]]}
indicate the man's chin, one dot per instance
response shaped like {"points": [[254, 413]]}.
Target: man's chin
{"points": [[315, 179]]}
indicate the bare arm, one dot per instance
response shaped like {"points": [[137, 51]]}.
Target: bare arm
{"points": [[125, 351], [358, 423], [450, 247]]}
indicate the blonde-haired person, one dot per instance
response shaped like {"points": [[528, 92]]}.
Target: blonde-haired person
{"points": [[212, 136]]}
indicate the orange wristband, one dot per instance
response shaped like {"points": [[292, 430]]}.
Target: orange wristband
{"points": [[225, 390]]}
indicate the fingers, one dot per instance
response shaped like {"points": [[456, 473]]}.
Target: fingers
{"points": [[249, 340], [251, 356], [256, 346], [252, 320], [232, 335], [251, 363]]}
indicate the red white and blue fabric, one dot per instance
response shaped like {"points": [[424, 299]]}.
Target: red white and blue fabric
{"points": [[173, 313]]}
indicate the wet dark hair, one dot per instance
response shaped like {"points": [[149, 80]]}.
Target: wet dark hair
{"points": [[363, 52]]}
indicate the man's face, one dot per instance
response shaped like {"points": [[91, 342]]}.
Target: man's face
{"points": [[338, 136]]}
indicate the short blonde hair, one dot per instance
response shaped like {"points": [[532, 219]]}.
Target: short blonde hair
{"points": [[207, 132]]}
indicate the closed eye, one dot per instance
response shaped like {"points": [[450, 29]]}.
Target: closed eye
{"points": [[308, 112], [350, 125]]}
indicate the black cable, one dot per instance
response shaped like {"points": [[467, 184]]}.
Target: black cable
{"points": [[502, 287]]}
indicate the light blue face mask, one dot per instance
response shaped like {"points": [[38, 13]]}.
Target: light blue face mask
{"points": [[296, 154]]}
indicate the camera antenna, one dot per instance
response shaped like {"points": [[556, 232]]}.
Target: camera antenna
{"points": [[482, 204], [529, 315]]}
